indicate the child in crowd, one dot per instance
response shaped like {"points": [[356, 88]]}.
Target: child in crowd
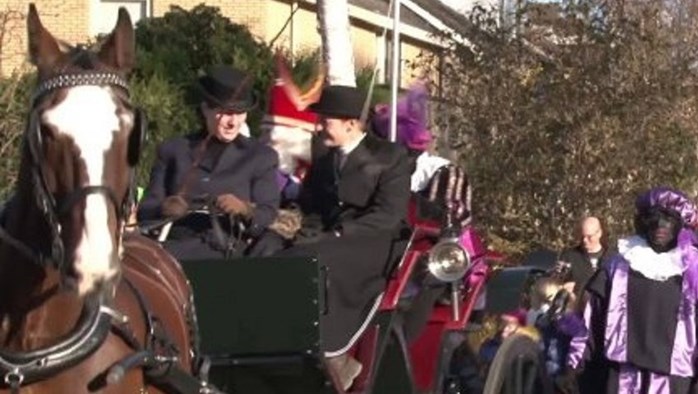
{"points": [[541, 295], [550, 314], [509, 324]]}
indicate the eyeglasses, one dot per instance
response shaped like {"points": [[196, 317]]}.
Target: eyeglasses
{"points": [[589, 236]]}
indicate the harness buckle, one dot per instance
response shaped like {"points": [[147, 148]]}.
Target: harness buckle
{"points": [[14, 378], [114, 314]]}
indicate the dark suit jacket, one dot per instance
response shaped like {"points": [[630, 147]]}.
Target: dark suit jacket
{"points": [[372, 191], [245, 168], [581, 269]]}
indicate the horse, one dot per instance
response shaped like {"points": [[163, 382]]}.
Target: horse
{"points": [[84, 305]]}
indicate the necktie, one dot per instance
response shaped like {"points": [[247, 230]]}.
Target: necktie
{"points": [[337, 162]]}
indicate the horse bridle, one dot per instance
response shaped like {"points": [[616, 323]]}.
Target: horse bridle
{"points": [[52, 208], [96, 317]]}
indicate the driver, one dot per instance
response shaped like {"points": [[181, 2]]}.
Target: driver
{"points": [[354, 201], [216, 168]]}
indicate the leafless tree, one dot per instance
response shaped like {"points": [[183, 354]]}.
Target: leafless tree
{"points": [[608, 112]]}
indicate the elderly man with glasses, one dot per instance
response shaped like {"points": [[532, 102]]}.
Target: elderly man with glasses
{"points": [[579, 263]]}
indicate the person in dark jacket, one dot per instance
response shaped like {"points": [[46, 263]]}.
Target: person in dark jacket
{"points": [[354, 201], [219, 169], [584, 259]]}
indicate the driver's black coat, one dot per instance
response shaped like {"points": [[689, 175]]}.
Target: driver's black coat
{"points": [[370, 193], [243, 167], [367, 201]]}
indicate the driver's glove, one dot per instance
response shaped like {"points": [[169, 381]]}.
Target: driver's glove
{"points": [[232, 205], [174, 206]]}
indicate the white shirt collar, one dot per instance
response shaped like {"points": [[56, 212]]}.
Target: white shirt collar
{"points": [[346, 149], [652, 265]]}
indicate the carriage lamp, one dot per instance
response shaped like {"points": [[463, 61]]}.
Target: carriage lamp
{"points": [[448, 261]]}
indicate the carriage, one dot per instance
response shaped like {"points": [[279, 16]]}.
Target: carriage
{"points": [[259, 318], [263, 335], [238, 326]]}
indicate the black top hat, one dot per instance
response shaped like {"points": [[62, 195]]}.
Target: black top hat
{"points": [[340, 102], [227, 88]]}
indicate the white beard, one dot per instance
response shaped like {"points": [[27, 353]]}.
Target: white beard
{"points": [[292, 144]]}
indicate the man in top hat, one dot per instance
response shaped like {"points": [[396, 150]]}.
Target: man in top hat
{"points": [[354, 200], [219, 168]]}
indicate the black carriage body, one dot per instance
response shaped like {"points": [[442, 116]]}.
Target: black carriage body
{"points": [[259, 323]]}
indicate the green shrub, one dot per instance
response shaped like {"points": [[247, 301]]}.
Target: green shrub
{"points": [[15, 94], [181, 44], [167, 114]]}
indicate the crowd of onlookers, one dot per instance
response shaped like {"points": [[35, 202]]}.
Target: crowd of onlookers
{"points": [[542, 315], [617, 322]]}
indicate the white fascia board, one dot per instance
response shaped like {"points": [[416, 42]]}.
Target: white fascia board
{"points": [[382, 21], [436, 22]]}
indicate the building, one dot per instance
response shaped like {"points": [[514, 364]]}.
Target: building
{"points": [[291, 23]]}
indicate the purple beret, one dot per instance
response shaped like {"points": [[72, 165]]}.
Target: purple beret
{"points": [[670, 199], [412, 114]]}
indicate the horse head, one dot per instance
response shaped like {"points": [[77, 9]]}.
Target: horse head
{"points": [[82, 140]]}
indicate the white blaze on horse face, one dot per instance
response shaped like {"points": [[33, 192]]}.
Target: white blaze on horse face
{"points": [[88, 114]]}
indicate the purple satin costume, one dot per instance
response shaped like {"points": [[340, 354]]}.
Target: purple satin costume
{"points": [[615, 334]]}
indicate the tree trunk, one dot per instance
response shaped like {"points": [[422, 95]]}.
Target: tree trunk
{"points": [[337, 51]]}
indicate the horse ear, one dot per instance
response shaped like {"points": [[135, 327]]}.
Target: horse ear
{"points": [[119, 48], [44, 51]]}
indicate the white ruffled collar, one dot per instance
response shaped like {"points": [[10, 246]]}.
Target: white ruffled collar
{"points": [[652, 265]]}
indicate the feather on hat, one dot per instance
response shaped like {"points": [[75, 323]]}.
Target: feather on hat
{"points": [[412, 116]]}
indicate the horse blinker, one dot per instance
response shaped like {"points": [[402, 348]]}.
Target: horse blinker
{"points": [[138, 137]]}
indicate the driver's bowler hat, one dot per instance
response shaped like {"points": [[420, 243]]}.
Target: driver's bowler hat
{"points": [[227, 88]]}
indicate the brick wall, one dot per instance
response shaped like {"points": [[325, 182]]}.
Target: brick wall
{"points": [[65, 19], [247, 12], [70, 20]]}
